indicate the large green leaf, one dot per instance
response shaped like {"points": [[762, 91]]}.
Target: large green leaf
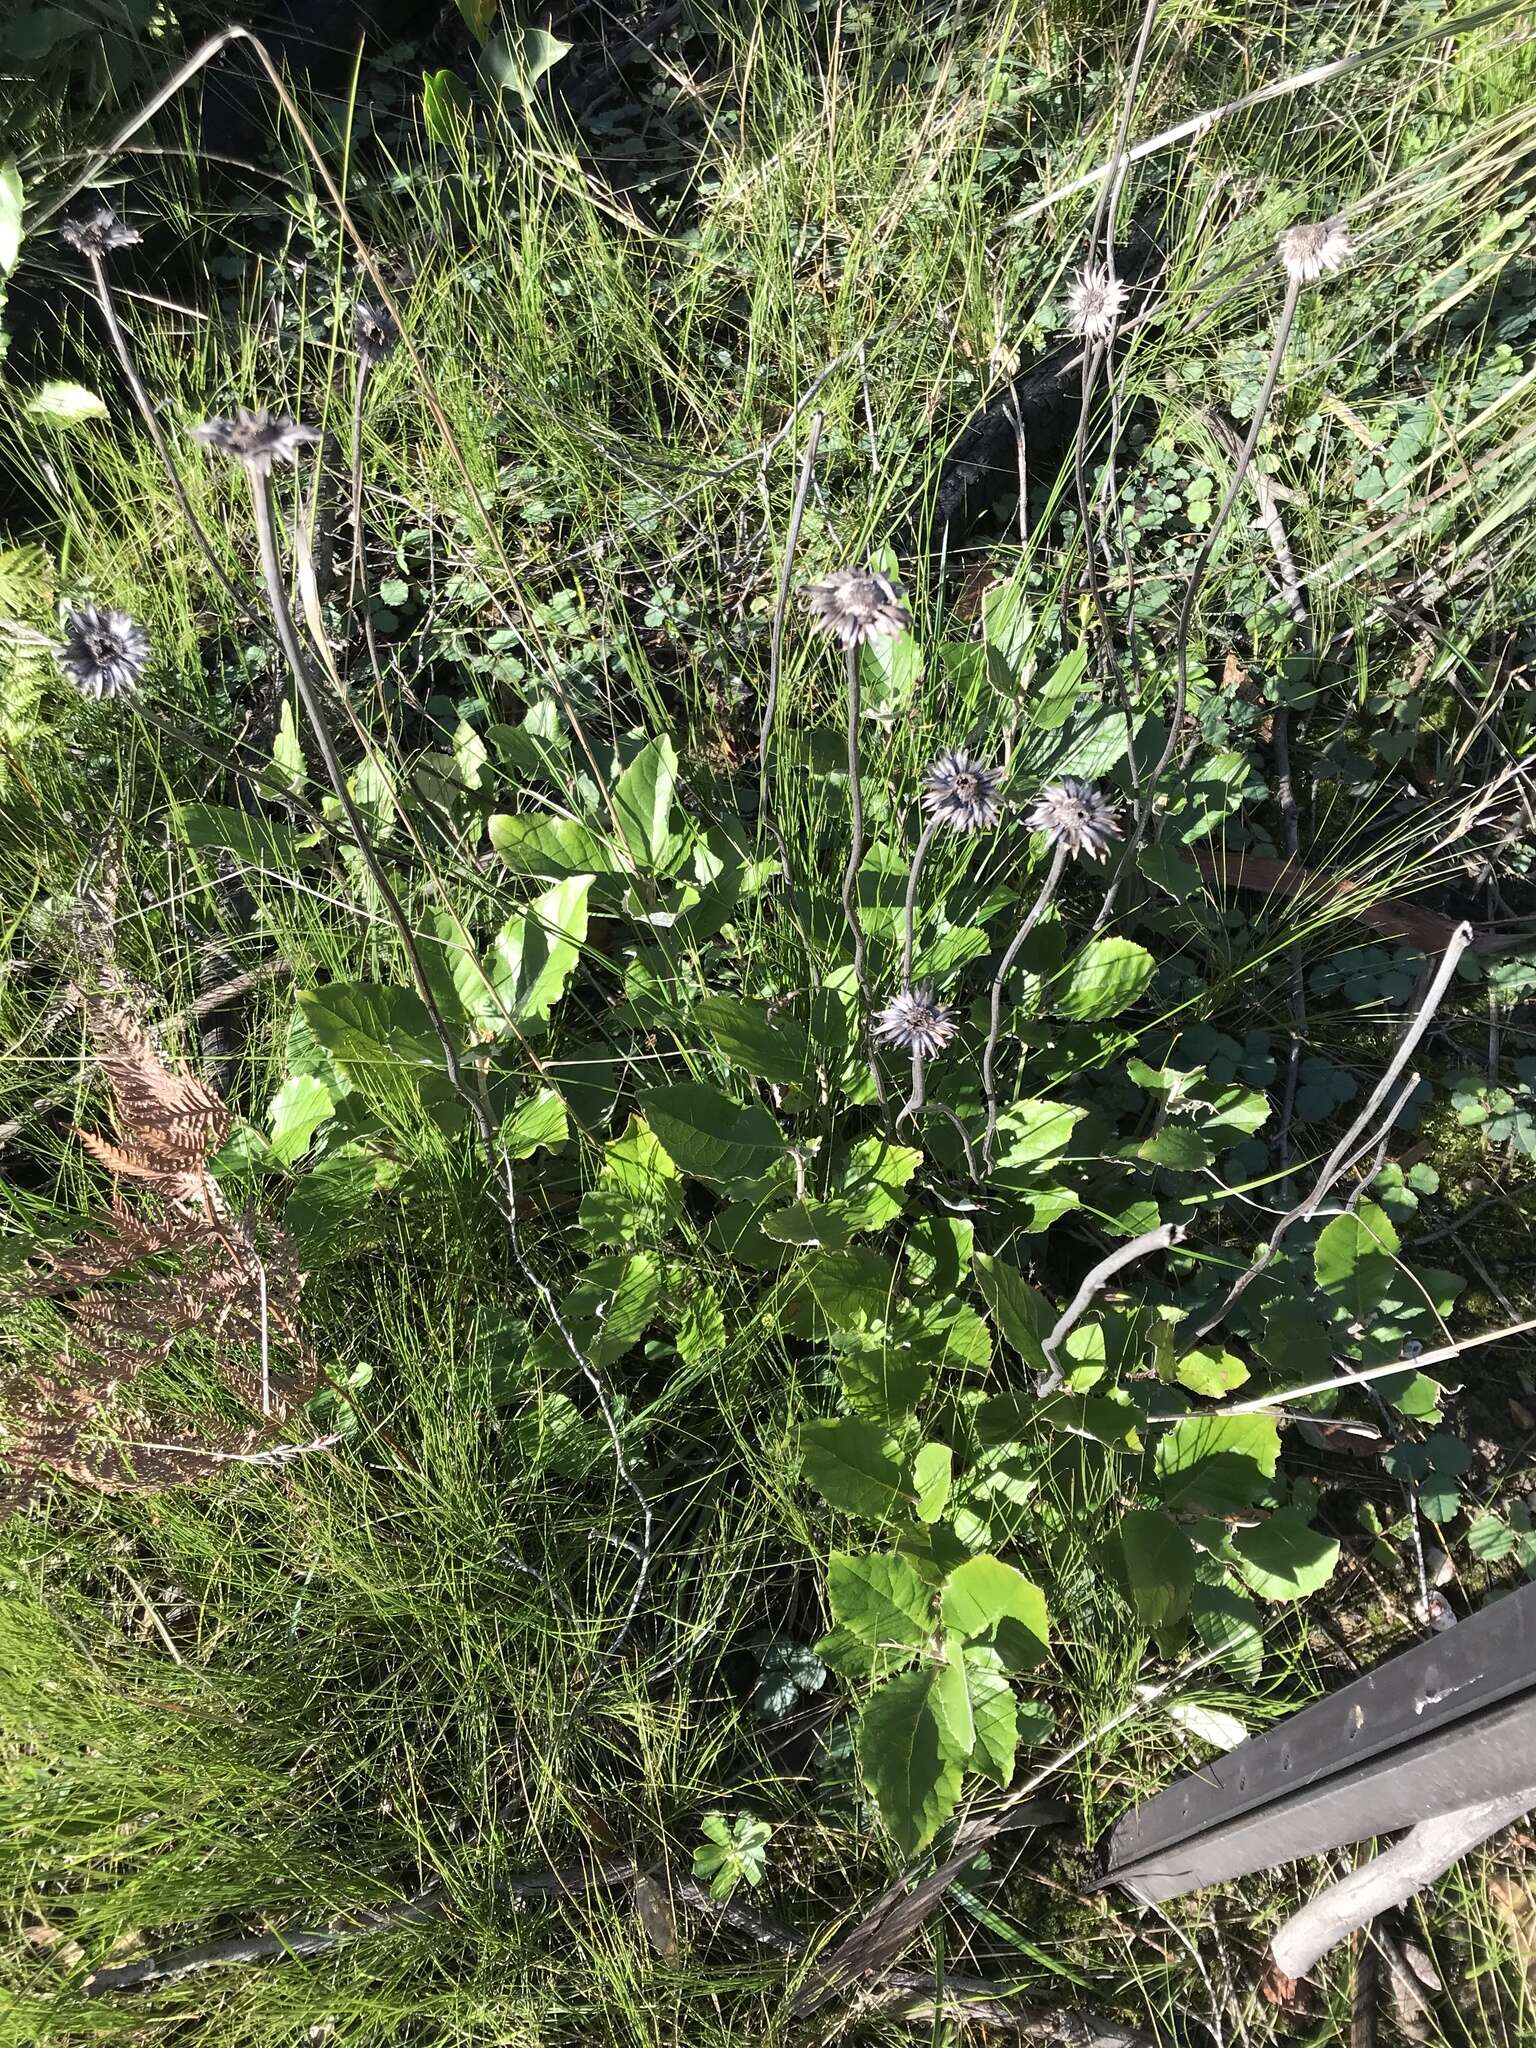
{"points": [[994, 1714], [1210, 1370], [539, 1123], [882, 1380], [534, 955], [368, 1028], [1221, 1463], [709, 1135], [949, 1695], [639, 1189], [296, 1112], [445, 106], [643, 797], [776, 1048], [1023, 1315], [10, 216], [1159, 1566], [1105, 978], [62, 404], [518, 60], [846, 1460], [1225, 1621], [1354, 1261], [1285, 1559], [933, 1472], [252, 837], [881, 1599], [532, 843], [905, 1759], [985, 1597]]}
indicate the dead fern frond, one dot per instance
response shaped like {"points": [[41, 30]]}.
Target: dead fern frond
{"points": [[140, 1281]]}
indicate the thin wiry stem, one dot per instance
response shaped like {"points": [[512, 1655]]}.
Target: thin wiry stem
{"points": [[1235, 483], [1346, 1149], [851, 872], [476, 1101], [141, 399], [925, 840], [765, 810], [917, 1104], [994, 1030]]}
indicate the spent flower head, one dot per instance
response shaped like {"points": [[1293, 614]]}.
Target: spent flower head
{"points": [[1075, 816], [857, 606], [1094, 303], [104, 653], [375, 332], [962, 792], [917, 1021], [1312, 247], [258, 439], [94, 233]]}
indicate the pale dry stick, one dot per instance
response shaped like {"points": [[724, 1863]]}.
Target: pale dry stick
{"points": [[156, 432], [989, 1057], [1093, 1283], [1196, 577], [275, 1454], [476, 1101], [1281, 88], [1338, 1159], [1357, 1375]]}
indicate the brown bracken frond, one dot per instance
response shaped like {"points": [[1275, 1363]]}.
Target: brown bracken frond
{"points": [[140, 1280]]}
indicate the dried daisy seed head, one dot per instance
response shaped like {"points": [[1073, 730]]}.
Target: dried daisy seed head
{"points": [[916, 1021], [104, 653], [258, 439], [1075, 816], [1313, 247], [94, 233], [857, 606], [962, 793], [1094, 303], [374, 332]]}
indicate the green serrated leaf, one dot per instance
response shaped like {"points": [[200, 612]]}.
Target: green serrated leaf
{"points": [[1210, 1371], [994, 1715], [1221, 1463], [1283, 1558], [533, 957], [984, 1594], [533, 844], [1159, 1566], [1225, 1621], [710, 1136], [539, 1124], [949, 1696], [1353, 1260], [847, 1461], [643, 797], [1105, 978], [1023, 1315], [903, 1757], [62, 404], [880, 1599]]}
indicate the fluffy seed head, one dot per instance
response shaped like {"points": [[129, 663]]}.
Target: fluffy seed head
{"points": [[917, 1021], [1094, 303], [258, 439], [1075, 816], [1312, 247], [96, 232], [962, 792], [104, 653], [857, 606], [374, 332]]}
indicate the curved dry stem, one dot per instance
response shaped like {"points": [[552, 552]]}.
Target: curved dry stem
{"points": [[925, 840], [917, 1104]]}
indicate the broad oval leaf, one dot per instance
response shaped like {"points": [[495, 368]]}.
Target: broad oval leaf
{"points": [[846, 1460], [1159, 1566], [1221, 1463], [775, 1048], [643, 797], [1105, 978], [881, 1599], [709, 1135], [905, 1761], [1284, 1558], [62, 404], [984, 1593]]}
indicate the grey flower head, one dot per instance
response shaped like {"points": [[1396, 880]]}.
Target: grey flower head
{"points": [[962, 792], [374, 332], [1094, 303], [96, 232], [257, 439], [1312, 247], [856, 606], [1075, 816], [104, 653], [917, 1021]]}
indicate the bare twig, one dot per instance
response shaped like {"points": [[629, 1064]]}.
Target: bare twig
{"points": [[1093, 1283], [1338, 1159], [1356, 1375]]}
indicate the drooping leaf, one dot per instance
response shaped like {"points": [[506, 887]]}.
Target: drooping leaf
{"points": [[776, 1048], [533, 957], [1221, 1463], [1105, 978], [1023, 1315], [905, 1761], [296, 1112], [62, 404], [710, 1136], [994, 1714], [1159, 1566], [846, 1460], [949, 1696], [445, 106], [1224, 1620], [517, 60], [1283, 1558]]}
